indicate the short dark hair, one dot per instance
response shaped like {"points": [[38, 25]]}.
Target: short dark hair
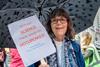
{"points": [[60, 12]]}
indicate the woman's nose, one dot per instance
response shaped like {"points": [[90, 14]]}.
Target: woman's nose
{"points": [[58, 22]]}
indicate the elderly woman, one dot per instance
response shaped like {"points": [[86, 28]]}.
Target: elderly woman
{"points": [[68, 52]]}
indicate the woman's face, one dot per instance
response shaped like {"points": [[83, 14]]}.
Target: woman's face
{"points": [[59, 26]]}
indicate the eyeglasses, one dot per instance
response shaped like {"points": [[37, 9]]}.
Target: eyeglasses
{"points": [[55, 21]]}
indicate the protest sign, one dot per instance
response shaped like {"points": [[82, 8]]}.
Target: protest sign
{"points": [[31, 39]]}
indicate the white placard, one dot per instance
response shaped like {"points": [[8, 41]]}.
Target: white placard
{"points": [[31, 40]]}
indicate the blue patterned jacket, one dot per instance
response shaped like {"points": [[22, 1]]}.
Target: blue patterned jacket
{"points": [[78, 53], [52, 60]]}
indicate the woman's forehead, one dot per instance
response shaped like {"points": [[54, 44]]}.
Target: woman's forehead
{"points": [[58, 17]]}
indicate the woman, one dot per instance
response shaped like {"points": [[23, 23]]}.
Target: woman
{"points": [[68, 52]]}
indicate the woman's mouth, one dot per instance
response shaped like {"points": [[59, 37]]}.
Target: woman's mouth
{"points": [[59, 28]]}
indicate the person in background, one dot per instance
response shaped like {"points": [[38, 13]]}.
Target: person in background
{"points": [[15, 59], [2, 57], [68, 52], [86, 41], [7, 60], [91, 55]]}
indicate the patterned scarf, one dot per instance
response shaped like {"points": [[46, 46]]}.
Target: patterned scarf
{"points": [[69, 58]]}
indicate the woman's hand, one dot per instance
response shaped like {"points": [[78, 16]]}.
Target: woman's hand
{"points": [[43, 65]]}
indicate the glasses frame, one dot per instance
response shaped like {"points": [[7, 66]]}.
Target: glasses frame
{"points": [[55, 21]]}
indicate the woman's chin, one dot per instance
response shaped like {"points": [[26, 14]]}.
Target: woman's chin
{"points": [[59, 35]]}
